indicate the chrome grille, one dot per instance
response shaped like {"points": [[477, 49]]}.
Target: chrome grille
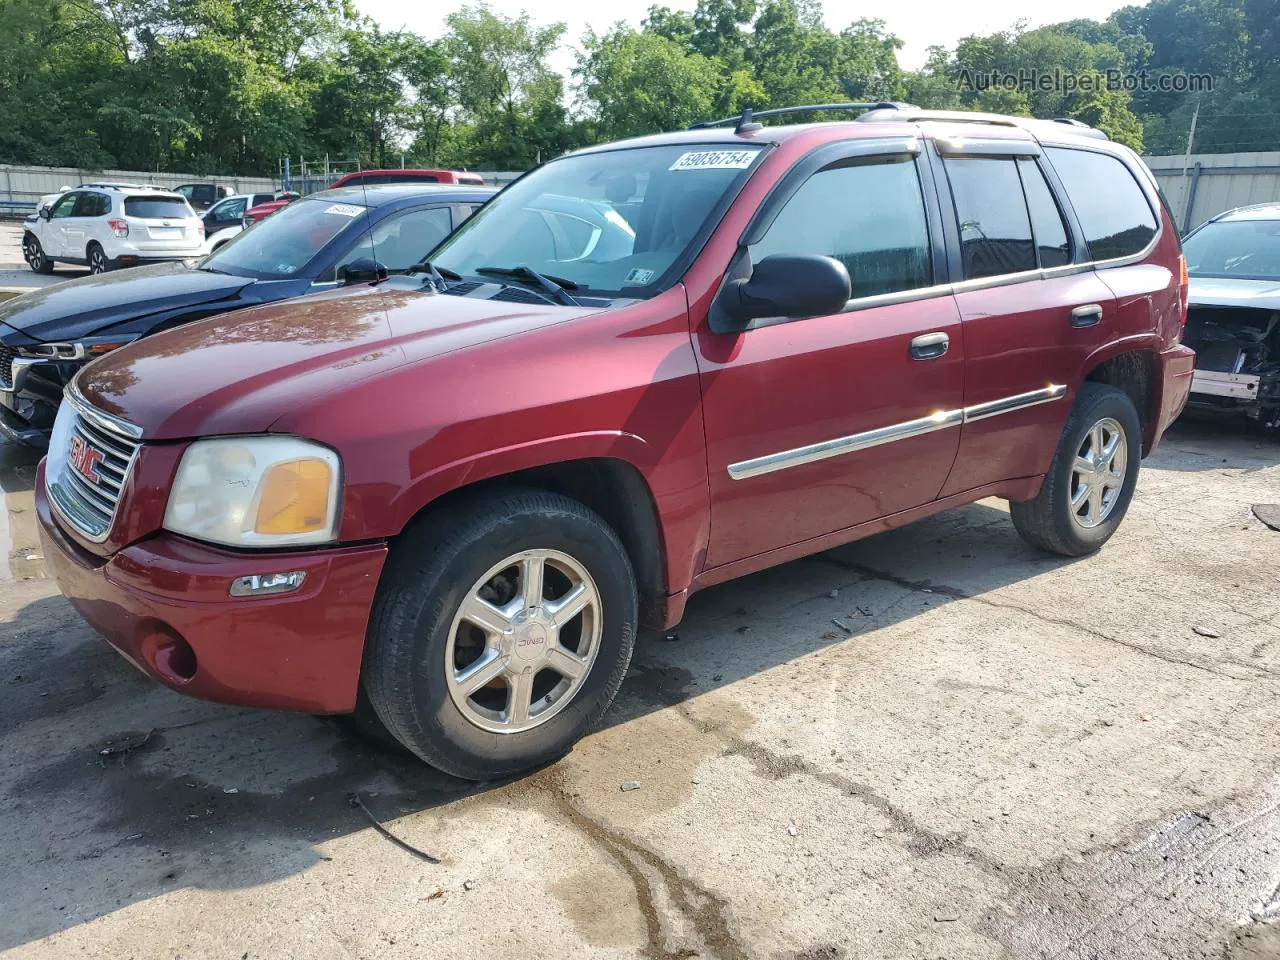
{"points": [[7, 355], [87, 471]]}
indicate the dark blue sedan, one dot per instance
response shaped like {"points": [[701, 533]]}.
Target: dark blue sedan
{"points": [[339, 236]]}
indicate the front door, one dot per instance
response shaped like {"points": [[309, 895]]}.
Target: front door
{"points": [[818, 424], [54, 237]]}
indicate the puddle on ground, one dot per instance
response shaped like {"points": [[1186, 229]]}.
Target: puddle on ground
{"points": [[21, 557]]}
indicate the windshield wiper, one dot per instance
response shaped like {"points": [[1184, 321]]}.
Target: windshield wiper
{"points": [[438, 275], [558, 287]]}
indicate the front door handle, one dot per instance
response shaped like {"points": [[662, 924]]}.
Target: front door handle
{"points": [[929, 346], [1086, 315]]}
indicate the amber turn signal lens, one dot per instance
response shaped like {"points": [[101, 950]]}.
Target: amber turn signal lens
{"points": [[295, 497], [99, 348]]}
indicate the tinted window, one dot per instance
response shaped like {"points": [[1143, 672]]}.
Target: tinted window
{"points": [[1047, 225], [91, 205], [286, 242], [186, 190], [204, 193], [995, 230], [156, 208], [1112, 209], [1244, 249], [869, 216], [400, 241], [262, 198], [229, 209]]}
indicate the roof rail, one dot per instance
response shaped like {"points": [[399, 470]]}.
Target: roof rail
{"points": [[745, 121], [910, 114]]}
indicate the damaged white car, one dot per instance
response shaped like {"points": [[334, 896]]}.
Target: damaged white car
{"points": [[1233, 317]]}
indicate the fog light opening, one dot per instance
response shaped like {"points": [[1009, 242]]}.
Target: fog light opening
{"points": [[171, 657], [267, 584]]}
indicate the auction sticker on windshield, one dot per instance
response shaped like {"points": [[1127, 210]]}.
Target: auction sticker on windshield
{"points": [[714, 160], [344, 210]]}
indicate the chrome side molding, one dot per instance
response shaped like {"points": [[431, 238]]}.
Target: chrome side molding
{"points": [[839, 446]]}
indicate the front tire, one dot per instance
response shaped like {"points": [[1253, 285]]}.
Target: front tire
{"points": [[501, 632], [34, 254], [98, 262], [1090, 484]]}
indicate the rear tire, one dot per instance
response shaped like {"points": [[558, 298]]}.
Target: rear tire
{"points": [[98, 262], [513, 679], [1087, 490], [34, 254]]}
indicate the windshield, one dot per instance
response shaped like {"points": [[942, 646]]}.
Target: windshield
{"points": [[1240, 249], [280, 246], [622, 223]]}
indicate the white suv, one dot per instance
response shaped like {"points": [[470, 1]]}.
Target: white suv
{"points": [[106, 226]]}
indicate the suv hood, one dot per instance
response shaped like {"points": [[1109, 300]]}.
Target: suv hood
{"points": [[242, 372], [1221, 292], [84, 306]]}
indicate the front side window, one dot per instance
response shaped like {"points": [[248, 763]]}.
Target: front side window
{"points": [[618, 223], [1053, 248], [399, 241], [187, 190], [1112, 209], [229, 209], [995, 228], [282, 245], [1237, 249], [868, 215], [65, 205]]}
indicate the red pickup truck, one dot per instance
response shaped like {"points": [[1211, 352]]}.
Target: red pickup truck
{"points": [[447, 501]]}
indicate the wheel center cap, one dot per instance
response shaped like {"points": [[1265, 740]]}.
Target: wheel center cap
{"points": [[531, 641]]}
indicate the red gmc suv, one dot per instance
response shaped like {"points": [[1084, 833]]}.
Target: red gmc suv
{"points": [[446, 501]]}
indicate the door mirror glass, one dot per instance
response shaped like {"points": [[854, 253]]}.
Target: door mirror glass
{"points": [[788, 286], [361, 271], [45, 211]]}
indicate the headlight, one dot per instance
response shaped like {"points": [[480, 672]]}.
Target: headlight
{"points": [[256, 492]]}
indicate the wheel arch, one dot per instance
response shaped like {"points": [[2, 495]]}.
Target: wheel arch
{"points": [[612, 486], [1135, 369]]}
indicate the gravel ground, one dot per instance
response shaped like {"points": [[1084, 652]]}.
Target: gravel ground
{"points": [[1011, 755]]}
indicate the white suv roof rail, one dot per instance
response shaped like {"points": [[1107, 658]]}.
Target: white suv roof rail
{"points": [[916, 114]]}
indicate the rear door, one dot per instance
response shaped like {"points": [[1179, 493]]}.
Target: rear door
{"points": [[1031, 305], [818, 424], [161, 224], [87, 222]]}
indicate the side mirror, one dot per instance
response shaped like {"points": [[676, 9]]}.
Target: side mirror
{"points": [[787, 286], [363, 270], [46, 211]]}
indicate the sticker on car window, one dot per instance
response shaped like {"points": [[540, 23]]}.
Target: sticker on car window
{"points": [[714, 160], [344, 210], [639, 275]]}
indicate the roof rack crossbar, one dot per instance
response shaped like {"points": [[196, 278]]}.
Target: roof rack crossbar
{"points": [[745, 121]]}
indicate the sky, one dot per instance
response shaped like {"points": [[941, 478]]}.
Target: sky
{"points": [[920, 23]]}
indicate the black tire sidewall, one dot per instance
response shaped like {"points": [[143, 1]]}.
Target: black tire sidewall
{"points": [[42, 263], [1098, 402], [426, 719], [106, 264]]}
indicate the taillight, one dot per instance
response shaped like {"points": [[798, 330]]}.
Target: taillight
{"points": [[200, 227], [119, 228]]}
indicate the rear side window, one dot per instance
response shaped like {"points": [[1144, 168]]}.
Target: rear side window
{"points": [[1112, 209], [1050, 231], [995, 229], [869, 216], [91, 205], [156, 208]]}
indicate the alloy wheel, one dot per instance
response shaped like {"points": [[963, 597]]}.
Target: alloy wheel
{"points": [[97, 261], [32, 253], [523, 641], [1098, 473]]}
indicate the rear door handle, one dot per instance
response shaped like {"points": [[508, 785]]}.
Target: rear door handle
{"points": [[1086, 315], [929, 346]]}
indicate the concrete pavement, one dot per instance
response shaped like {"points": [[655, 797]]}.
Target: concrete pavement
{"points": [[1011, 755]]}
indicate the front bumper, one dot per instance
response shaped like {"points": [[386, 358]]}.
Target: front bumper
{"points": [[164, 604]]}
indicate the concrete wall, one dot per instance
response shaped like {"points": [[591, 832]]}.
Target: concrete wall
{"points": [[1214, 182]]}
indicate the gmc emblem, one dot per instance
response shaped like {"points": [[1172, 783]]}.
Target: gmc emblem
{"points": [[85, 458]]}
